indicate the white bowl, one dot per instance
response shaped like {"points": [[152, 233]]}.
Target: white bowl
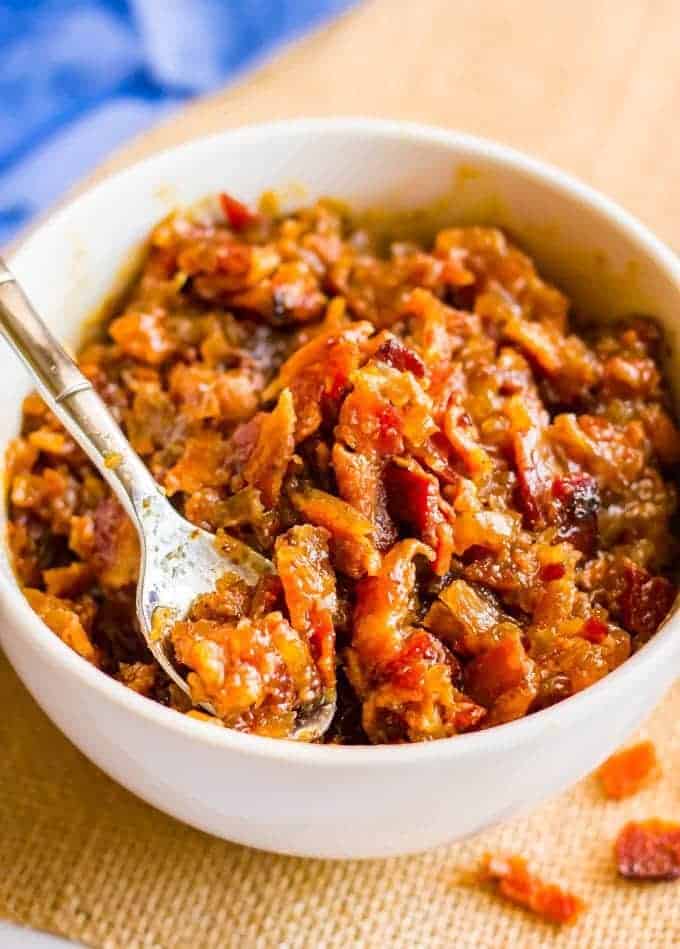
{"points": [[316, 800]]}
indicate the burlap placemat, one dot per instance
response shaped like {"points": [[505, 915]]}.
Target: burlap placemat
{"points": [[82, 857]]}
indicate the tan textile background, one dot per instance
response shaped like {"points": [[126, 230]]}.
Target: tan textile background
{"points": [[592, 85]]}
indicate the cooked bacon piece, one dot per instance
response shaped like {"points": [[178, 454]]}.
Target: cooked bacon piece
{"points": [[540, 341], [237, 214], [503, 679], [115, 556], [319, 391], [384, 605], [62, 618], [533, 457], [273, 450], [50, 494], [204, 393], [414, 499], [578, 498], [629, 770], [283, 293], [514, 881], [52, 443], [360, 483], [352, 533], [415, 502], [224, 269], [414, 697], [645, 601], [315, 352], [308, 581], [435, 327], [464, 438], [649, 850], [144, 336], [385, 408]]}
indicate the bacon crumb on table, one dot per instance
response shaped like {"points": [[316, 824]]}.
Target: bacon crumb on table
{"points": [[512, 879], [468, 493], [649, 850], [629, 770]]}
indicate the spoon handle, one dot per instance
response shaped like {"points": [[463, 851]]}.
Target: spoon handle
{"points": [[72, 398]]}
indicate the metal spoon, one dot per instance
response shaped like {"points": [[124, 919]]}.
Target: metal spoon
{"points": [[178, 560]]}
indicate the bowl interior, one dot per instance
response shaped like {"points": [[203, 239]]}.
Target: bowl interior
{"points": [[603, 259]]}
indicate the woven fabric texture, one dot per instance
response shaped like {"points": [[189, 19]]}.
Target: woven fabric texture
{"points": [[82, 857]]}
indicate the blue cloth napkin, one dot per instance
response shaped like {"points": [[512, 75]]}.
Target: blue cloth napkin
{"points": [[78, 77]]}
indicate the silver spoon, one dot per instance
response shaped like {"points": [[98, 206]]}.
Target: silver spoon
{"points": [[178, 560]]}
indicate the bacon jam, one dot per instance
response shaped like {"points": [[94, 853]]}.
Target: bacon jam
{"points": [[467, 495]]}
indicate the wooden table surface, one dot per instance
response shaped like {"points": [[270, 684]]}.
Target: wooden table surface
{"points": [[590, 85]]}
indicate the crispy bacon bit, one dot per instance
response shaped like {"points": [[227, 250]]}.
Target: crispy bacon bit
{"points": [[629, 770], [315, 352], [649, 850], [514, 881], [205, 393], [645, 601], [400, 357], [273, 450], [237, 214]]}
